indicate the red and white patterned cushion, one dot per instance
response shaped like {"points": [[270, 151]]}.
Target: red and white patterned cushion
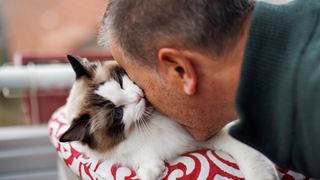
{"points": [[203, 164]]}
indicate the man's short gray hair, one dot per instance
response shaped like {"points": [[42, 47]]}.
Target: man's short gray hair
{"points": [[142, 27]]}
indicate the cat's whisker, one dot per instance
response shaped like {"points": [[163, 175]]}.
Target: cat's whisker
{"points": [[140, 124], [136, 124], [148, 128], [141, 129], [144, 128], [144, 123]]}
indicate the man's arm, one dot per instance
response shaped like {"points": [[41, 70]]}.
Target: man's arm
{"points": [[279, 94]]}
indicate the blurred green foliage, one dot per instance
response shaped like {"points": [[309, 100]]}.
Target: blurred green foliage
{"points": [[3, 55], [11, 111]]}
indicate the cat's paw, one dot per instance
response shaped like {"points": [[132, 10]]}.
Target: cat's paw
{"points": [[151, 171]]}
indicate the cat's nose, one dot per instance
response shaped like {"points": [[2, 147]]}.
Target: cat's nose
{"points": [[139, 97]]}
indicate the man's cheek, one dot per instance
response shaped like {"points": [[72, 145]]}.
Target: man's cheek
{"points": [[153, 98]]}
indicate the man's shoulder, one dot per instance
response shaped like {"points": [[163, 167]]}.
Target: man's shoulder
{"points": [[278, 97]]}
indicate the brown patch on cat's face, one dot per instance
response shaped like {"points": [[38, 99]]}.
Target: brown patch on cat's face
{"points": [[93, 117], [105, 129]]}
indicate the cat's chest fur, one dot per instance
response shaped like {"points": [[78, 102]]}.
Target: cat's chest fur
{"points": [[160, 137]]}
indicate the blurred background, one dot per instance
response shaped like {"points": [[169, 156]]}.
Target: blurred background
{"points": [[38, 33], [35, 36], [42, 32]]}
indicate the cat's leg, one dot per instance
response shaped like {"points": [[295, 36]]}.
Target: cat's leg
{"points": [[253, 164], [148, 165], [151, 170]]}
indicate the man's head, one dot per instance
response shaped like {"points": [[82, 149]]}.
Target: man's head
{"points": [[185, 54]]}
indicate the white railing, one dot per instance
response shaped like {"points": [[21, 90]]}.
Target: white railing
{"points": [[26, 154], [36, 76], [32, 78], [25, 151]]}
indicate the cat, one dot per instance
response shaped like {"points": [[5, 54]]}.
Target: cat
{"points": [[109, 114]]}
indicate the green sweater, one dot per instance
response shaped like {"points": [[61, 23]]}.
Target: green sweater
{"points": [[279, 94]]}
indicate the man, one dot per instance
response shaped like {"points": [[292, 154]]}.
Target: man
{"points": [[187, 56]]}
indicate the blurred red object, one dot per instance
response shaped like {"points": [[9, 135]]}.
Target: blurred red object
{"points": [[24, 59], [39, 104]]}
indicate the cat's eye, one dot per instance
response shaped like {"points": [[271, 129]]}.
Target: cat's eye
{"points": [[118, 114]]}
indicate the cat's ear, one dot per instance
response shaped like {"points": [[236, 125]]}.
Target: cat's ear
{"points": [[78, 67], [77, 130]]}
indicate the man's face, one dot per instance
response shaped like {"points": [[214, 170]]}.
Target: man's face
{"points": [[203, 113]]}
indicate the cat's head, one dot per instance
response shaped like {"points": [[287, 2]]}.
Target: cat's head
{"points": [[104, 105]]}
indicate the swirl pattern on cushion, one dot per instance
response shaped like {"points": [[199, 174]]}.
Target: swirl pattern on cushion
{"points": [[203, 164]]}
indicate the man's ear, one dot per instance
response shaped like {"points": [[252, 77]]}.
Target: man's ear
{"points": [[78, 67], [177, 68], [77, 130]]}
